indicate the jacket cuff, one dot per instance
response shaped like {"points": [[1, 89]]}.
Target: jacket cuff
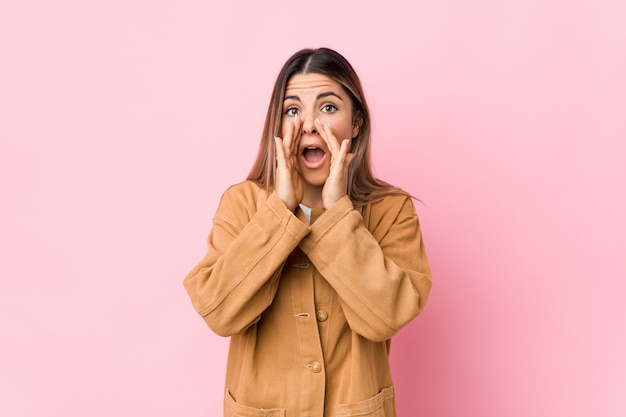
{"points": [[294, 226], [327, 221]]}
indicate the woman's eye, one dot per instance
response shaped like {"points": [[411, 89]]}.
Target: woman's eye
{"points": [[329, 108], [292, 111]]}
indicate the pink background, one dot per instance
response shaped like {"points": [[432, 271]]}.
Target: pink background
{"points": [[123, 121]]}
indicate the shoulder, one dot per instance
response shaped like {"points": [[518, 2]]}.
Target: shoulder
{"points": [[240, 198], [390, 207], [392, 200], [245, 189]]}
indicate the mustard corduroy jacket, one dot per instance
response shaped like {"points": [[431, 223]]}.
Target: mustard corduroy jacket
{"points": [[310, 310]]}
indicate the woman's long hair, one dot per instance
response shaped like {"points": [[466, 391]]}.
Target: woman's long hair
{"points": [[363, 187]]}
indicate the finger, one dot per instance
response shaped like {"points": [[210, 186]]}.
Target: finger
{"points": [[280, 153], [297, 135], [287, 139], [345, 149], [341, 159], [349, 157], [294, 133]]}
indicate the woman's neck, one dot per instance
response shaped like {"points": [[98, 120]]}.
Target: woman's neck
{"points": [[313, 196]]}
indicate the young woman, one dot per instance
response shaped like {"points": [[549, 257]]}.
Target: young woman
{"points": [[313, 264]]}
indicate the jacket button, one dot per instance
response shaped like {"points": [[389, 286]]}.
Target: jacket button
{"points": [[316, 367], [321, 315]]}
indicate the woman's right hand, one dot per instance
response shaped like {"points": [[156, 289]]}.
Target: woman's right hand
{"points": [[288, 180]]}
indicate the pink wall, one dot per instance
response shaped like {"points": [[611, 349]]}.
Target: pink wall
{"points": [[123, 121]]}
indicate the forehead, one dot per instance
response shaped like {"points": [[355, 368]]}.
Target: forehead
{"points": [[312, 83]]}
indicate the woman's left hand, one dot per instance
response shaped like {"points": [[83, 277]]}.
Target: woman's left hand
{"points": [[336, 185]]}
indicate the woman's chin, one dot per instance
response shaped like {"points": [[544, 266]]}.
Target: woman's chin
{"points": [[315, 179]]}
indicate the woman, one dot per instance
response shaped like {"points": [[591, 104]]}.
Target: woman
{"points": [[312, 264]]}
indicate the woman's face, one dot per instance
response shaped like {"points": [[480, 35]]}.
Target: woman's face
{"points": [[316, 96]]}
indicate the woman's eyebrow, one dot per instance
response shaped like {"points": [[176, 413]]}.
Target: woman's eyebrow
{"points": [[328, 94], [292, 98], [321, 95]]}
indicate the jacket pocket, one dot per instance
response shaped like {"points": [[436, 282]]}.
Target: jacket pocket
{"points": [[380, 405], [233, 409]]}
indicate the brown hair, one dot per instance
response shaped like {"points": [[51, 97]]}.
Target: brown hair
{"points": [[363, 187]]}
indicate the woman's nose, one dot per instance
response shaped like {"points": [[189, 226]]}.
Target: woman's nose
{"points": [[308, 122]]}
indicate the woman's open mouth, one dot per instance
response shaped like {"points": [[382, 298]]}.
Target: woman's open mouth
{"points": [[313, 157]]}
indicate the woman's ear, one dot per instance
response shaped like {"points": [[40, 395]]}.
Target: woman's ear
{"points": [[357, 121]]}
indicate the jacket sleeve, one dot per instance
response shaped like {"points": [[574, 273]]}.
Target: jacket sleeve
{"points": [[238, 277], [382, 276]]}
